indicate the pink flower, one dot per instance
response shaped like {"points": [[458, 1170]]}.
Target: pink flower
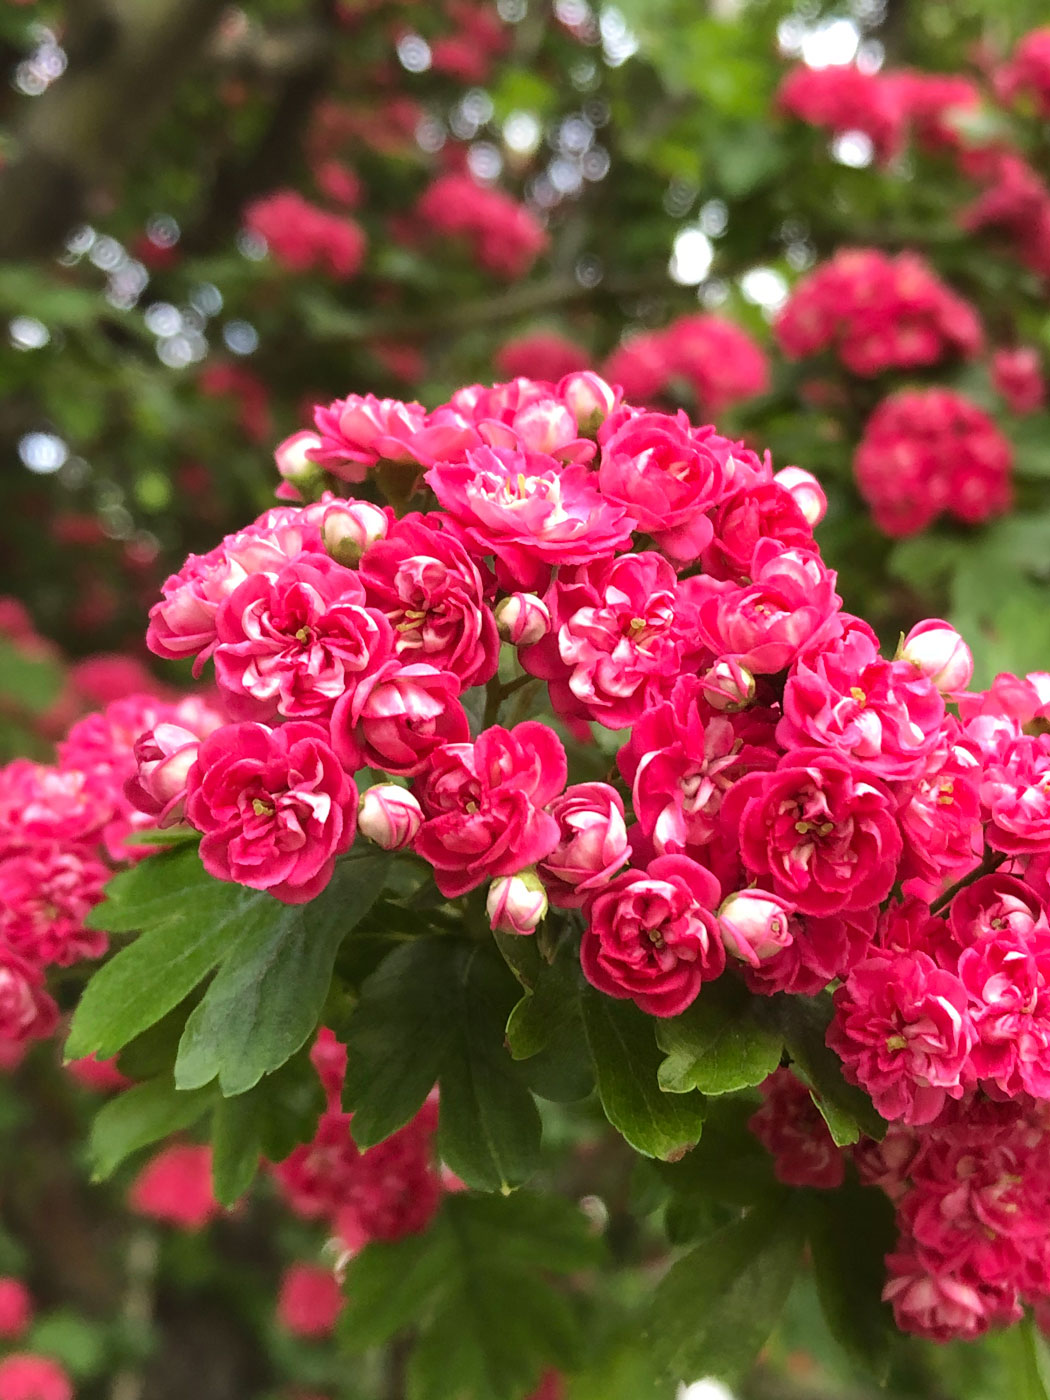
{"points": [[617, 642], [652, 935], [903, 1033], [844, 98], [664, 476], [483, 804], [45, 896], [275, 807], [938, 1305], [884, 714], [790, 1127], [358, 432], [764, 510], [328, 1057], [98, 1076], [682, 758], [305, 238], [716, 358], [820, 828], [435, 598], [1018, 377], [998, 905], [592, 844], [16, 1309], [1028, 71], [937, 650], [309, 1301], [940, 817], [931, 451], [293, 643], [397, 718], [1007, 974], [25, 1376], [389, 815], [516, 903], [755, 925], [26, 1010], [820, 951], [1015, 792], [174, 1187], [182, 624], [529, 511], [164, 754], [542, 355], [789, 606]]}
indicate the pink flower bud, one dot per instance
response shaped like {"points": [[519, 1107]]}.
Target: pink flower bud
{"points": [[728, 686], [516, 903], [587, 396], [165, 755], [389, 815], [293, 461], [938, 651], [523, 619], [349, 527], [755, 925], [807, 491]]}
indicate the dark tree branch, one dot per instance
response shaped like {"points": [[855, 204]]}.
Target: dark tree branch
{"points": [[126, 58]]}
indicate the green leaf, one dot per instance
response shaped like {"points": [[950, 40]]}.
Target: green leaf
{"points": [[236, 1139], [435, 1011], [846, 1109], [626, 1060], [851, 1230], [267, 996], [476, 1290], [728, 1164], [74, 1341], [725, 1041], [545, 1032], [30, 683], [139, 1116], [715, 1308], [489, 1129], [187, 920]]}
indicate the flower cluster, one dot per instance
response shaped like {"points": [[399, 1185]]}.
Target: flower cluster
{"points": [[62, 833], [305, 238], [787, 805], [877, 312], [719, 362], [928, 452], [503, 235]]}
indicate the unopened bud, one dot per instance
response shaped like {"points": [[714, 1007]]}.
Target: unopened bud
{"points": [[755, 925], [296, 467], [516, 903], [389, 815], [728, 686], [588, 398], [349, 527], [523, 619], [807, 492], [936, 649]]}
